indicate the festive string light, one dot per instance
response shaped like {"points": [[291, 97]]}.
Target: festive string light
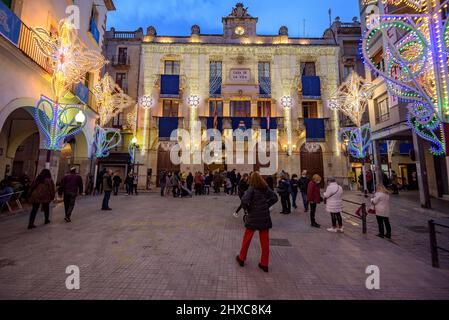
{"points": [[57, 122], [106, 140], [111, 99], [69, 59], [352, 97], [416, 67], [312, 147], [415, 4], [357, 140]]}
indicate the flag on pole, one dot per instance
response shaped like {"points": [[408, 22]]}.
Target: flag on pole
{"points": [[215, 115]]}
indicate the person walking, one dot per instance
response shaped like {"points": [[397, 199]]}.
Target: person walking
{"points": [[233, 177], [333, 198], [117, 181], [303, 185], [228, 186], [129, 183], [162, 182], [100, 176], [284, 191], [135, 183], [208, 183], [314, 198], [242, 188], [42, 193], [217, 182], [257, 201], [198, 184], [168, 185], [294, 182], [189, 181], [71, 187], [107, 188], [381, 203], [175, 182], [394, 182]]}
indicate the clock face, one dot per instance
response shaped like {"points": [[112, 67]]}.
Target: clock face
{"points": [[240, 31]]}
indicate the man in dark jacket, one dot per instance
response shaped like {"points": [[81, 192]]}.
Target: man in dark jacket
{"points": [[242, 188], [116, 183], [284, 190], [107, 188], [71, 186], [233, 178], [303, 185]]}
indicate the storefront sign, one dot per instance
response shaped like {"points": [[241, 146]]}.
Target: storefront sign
{"points": [[240, 75]]}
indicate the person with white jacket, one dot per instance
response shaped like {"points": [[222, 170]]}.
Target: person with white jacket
{"points": [[381, 203], [334, 204]]}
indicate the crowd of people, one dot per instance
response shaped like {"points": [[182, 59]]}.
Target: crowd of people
{"points": [[257, 196]]}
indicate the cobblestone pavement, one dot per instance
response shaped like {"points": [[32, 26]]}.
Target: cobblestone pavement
{"points": [[150, 247]]}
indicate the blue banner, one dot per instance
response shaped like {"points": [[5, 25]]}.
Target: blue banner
{"points": [[311, 86], [405, 148], [210, 123], [94, 30], [166, 126], [383, 148], [10, 24], [169, 85], [315, 129], [264, 122], [82, 92]]}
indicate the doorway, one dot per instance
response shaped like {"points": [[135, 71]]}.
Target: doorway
{"points": [[313, 162]]}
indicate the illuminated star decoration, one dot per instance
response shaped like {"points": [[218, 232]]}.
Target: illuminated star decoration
{"points": [[69, 59], [111, 99], [131, 120], [352, 97], [106, 140], [416, 68], [194, 101]]}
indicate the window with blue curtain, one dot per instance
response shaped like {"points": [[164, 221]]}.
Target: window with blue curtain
{"points": [[383, 148], [170, 85], [242, 123], [311, 86], [166, 126], [264, 122], [405, 148], [315, 130]]}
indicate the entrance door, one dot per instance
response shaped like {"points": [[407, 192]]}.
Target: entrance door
{"points": [[164, 162], [312, 162]]}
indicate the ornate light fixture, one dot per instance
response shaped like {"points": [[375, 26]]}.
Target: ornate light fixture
{"points": [[146, 102], [287, 101], [416, 66], [106, 140], [70, 61], [194, 101]]}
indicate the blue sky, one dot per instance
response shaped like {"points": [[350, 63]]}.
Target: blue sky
{"points": [[175, 17]]}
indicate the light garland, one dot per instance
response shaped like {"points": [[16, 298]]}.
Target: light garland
{"points": [[106, 140], [352, 97], [111, 99], [70, 62], [312, 147], [69, 59], [357, 140], [58, 122], [416, 67], [414, 4]]}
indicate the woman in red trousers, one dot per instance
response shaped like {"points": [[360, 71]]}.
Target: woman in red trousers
{"points": [[257, 201]]}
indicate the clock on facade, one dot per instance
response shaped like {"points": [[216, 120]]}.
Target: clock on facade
{"points": [[240, 31]]}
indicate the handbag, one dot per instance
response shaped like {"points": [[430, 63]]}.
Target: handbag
{"points": [[325, 199], [372, 210]]}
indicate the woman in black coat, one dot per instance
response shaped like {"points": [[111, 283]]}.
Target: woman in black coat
{"points": [[257, 202]]}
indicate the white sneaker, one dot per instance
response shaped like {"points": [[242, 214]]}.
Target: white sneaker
{"points": [[341, 230], [332, 229]]}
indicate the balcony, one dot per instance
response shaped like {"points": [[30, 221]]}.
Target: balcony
{"points": [[93, 29], [120, 61], [170, 85]]}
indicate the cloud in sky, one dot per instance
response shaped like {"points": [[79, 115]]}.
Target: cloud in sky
{"points": [[175, 17]]}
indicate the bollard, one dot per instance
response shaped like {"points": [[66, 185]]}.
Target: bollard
{"points": [[364, 214], [433, 244]]}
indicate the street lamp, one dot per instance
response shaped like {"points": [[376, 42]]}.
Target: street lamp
{"points": [[287, 103]]}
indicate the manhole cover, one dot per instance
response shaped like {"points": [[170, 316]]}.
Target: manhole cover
{"points": [[280, 243], [6, 263]]}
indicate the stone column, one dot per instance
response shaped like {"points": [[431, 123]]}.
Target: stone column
{"points": [[377, 162], [421, 172], [54, 162]]}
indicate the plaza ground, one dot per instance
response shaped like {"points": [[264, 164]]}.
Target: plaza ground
{"points": [[150, 247]]}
